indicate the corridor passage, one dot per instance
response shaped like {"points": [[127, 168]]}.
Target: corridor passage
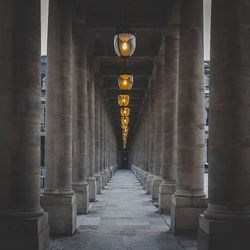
{"points": [[123, 218]]}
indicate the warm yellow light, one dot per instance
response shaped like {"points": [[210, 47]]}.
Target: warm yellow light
{"points": [[125, 81], [124, 126], [123, 100], [124, 46], [124, 120], [125, 111]]}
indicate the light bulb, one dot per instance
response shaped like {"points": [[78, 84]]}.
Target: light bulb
{"points": [[125, 82], [124, 46]]}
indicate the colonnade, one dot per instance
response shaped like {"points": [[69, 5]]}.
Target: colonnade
{"points": [[222, 220], [81, 148]]}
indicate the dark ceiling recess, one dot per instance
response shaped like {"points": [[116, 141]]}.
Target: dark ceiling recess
{"points": [[149, 19]]}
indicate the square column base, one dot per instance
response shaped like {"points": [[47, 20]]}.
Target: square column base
{"points": [[62, 211], [98, 183], [185, 213], [103, 180], [165, 196], [92, 189], [82, 197], [156, 182], [24, 233], [218, 235]]}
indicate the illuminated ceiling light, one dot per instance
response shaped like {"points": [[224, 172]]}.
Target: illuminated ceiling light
{"points": [[124, 42], [123, 100], [125, 111], [125, 120], [124, 126], [125, 81]]}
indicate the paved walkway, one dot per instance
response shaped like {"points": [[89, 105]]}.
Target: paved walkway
{"points": [[123, 218]]}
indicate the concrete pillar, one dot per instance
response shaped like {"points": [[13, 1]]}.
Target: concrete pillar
{"points": [[97, 135], [189, 199], [158, 128], [91, 134], [80, 117], [170, 91], [226, 222], [23, 223], [58, 198]]}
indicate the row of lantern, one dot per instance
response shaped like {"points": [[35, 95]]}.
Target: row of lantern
{"points": [[124, 44]]}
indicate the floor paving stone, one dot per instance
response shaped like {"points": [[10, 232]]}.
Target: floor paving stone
{"points": [[123, 218]]}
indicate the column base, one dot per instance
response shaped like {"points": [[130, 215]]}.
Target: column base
{"points": [[24, 233], [98, 183], [92, 189], [149, 184], [103, 179], [165, 195], [62, 210], [156, 182], [185, 212], [220, 234], [81, 191], [145, 177]]}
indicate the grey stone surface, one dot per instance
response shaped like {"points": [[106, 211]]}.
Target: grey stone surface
{"points": [[123, 218], [62, 210], [23, 224], [190, 122], [226, 222]]}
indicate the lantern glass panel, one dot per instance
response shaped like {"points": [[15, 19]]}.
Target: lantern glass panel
{"points": [[123, 100], [125, 81], [125, 111], [124, 120], [124, 44]]}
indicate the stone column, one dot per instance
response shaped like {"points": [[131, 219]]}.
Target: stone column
{"points": [[102, 161], [91, 134], [151, 138], [226, 222], [58, 198], [170, 91], [97, 135], [80, 117], [189, 199], [23, 223], [158, 128]]}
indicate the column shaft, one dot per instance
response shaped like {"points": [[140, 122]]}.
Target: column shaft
{"points": [[58, 192], [91, 133], [20, 211], [226, 222], [97, 134], [189, 199], [159, 83], [80, 117], [170, 91]]}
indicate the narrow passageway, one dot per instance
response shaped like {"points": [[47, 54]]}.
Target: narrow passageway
{"points": [[123, 218]]}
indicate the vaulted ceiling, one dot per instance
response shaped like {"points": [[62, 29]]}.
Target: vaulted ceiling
{"points": [[149, 19]]}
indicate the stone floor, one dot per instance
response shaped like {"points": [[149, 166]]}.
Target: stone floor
{"points": [[123, 218]]}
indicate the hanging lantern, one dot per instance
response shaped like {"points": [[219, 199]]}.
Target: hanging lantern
{"points": [[125, 43], [124, 126], [123, 100], [125, 111], [125, 130], [125, 81], [125, 120]]}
